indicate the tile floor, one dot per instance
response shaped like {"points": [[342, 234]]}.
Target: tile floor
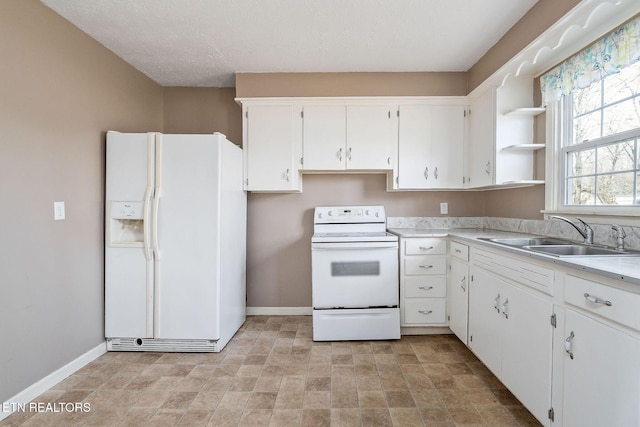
{"points": [[273, 374]]}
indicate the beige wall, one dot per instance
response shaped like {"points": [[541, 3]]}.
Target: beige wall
{"points": [[350, 84], [280, 228], [202, 110], [59, 92], [540, 17]]}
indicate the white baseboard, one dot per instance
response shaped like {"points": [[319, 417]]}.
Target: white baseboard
{"points": [[278, 311], [36, 389]]}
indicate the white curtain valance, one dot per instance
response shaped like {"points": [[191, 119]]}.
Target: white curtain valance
{"points": [[614, 52]]}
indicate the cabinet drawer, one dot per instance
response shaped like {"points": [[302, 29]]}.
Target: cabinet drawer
{"points": [[425, 265], [425, 287], [425, 246], [459, 251], [611, 303], [425, 311]]}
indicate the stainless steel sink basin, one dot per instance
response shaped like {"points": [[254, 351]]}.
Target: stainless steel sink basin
{"points": [[558, 247], [577, 250], [527, 241]]}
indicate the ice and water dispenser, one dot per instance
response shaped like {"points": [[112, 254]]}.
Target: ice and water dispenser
{"points": [[126, 224]]}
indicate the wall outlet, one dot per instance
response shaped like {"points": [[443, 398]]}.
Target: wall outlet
{"points": [[58, 211], [444, 208]]}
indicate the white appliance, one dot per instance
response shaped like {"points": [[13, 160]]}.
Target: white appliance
{"points": [[175, 242], [354, 264]]}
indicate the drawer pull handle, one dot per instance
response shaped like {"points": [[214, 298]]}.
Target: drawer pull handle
{"points": [[568, 344], [425, 288], [597, 300], [458, 251], [425, 311], [424, 248], [426, 267]]}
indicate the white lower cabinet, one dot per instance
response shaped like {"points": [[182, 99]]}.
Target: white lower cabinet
{"points": [[511, 333], [601, 360], [423, 282], [601, 382], [457, 290]]}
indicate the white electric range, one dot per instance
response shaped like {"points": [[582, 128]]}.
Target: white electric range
{"points": [[354, 264]]}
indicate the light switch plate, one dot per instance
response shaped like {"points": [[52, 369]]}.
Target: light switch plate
{"points": [[58, 211], [444, 208]]}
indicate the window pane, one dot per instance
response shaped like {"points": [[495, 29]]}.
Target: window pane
{"points": [[581, 191], [581, 163], [621, 117], [587, 99], [586, 128], [622, 85], [615, 189], [616, 157]]}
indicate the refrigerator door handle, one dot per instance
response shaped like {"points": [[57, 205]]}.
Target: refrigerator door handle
{"points": [[156, 246], [148, 252]]}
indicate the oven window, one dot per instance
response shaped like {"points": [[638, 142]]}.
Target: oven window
{"points": [[357, 268]]}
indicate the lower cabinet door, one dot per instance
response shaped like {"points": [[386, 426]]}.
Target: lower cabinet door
{"points": [[526, 349], [485, 322], [602, 379], [457, 300]]}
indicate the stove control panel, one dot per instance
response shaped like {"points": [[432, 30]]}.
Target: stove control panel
{"points": [[349, 214]]}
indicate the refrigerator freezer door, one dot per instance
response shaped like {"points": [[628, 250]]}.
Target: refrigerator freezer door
{"points": [[128, 270], [187, 289]]}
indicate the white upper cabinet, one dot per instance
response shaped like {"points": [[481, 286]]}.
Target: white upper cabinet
{"points": [[500, 148], [430, 146], [371, 139], [325, 137], [272, 148], [348, 137]]}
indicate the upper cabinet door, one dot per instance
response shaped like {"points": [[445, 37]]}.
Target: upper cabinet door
{"points": [[273, 148], [430, 146], [324, 137], [414, 135], [370, 137], [447, 143], [482, 131]]}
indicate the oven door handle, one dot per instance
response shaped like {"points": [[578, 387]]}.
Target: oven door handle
{"points": [[353, 246]]}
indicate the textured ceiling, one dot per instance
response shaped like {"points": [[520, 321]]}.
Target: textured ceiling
{"points": [[205, 42]]}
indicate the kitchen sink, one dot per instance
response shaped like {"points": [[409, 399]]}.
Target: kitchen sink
{"points": [[558, 247], [577, 250], [527, 241]]}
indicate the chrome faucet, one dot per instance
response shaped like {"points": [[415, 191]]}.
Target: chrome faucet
{"points": [[620, 235], [586, 232]]}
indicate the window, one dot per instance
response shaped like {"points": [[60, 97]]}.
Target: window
{"points": [[593, 126], [600, 153]]}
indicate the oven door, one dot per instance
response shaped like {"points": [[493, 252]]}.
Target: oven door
{"points": [[354, 274]]}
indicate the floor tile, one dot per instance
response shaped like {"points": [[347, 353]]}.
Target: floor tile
{"points": [[272, 373]]}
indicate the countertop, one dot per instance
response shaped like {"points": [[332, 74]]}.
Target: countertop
{"points": [[622, 268]]}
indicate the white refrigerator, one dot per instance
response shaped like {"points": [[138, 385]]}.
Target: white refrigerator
{"points": [[175, 242]]}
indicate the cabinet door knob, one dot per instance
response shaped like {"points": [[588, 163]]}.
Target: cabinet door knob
{"points": [[568, 345], [504, 308]]}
